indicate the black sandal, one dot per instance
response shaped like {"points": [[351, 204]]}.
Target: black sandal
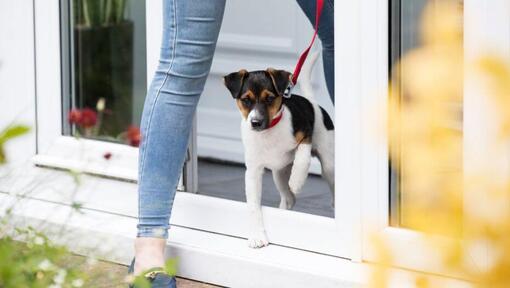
{"points": [[157, 276]]}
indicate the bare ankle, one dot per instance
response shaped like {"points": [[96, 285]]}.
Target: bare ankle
{"points": [[149, 253]]}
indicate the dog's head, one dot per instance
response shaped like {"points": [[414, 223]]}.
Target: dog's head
{"points": [[258, 94]]}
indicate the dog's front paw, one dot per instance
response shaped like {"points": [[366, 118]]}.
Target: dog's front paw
{"points": [[258, 241], [296, 183]]}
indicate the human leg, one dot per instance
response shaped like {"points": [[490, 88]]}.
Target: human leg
{"points": [[190, 31]]}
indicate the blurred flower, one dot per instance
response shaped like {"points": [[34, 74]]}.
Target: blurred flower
{"points": [[107, 155], [39, 240], [45, 265], [88, 118], [133, 136], [60, 277], [425, 129], [100, 104], [74, 116], [77, 282]]}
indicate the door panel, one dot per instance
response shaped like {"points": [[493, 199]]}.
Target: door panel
{"points": [[256, 40]]}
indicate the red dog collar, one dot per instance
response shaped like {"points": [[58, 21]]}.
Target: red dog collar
{"points": [[276, 119]]}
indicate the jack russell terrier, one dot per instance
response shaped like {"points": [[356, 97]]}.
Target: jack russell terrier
{"points": [[281, 134]]}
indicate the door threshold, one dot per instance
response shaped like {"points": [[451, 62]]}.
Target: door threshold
{"points": [[203, 256]]}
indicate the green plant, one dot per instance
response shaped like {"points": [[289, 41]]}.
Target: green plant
{"points": [[93, 13], [87, 122], [9, 133], [28, 258]]}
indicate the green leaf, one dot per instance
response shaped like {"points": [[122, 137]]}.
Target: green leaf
{"points": [[2, 155], [171, 266], [76, 175], [13, 132], [141, 282], [77, 206]]}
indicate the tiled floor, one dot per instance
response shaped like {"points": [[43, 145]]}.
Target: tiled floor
{"points": [[226, 180]]}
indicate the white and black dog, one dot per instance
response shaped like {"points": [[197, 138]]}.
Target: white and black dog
{"points": [[281, 134]]}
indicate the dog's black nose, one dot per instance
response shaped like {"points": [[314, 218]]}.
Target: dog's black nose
{"points": [[255, 123]]}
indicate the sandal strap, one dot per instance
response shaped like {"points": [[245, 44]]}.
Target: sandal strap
{"points": [[153, 272]]}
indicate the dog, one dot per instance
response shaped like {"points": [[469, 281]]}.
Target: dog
{"points": [[281, 134]]}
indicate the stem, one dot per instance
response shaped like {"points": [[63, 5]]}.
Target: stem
{"points": [[108, 11], [101, 14], [97, 127], [120, 10], [86, 15]]}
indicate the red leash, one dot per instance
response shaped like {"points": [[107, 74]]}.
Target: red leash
{"points": [[301, 61], [302, 58]]}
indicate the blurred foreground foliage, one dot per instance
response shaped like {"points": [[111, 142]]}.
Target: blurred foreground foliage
{"points": [[33, 261], [27, 257], [9, 133], [468, 205]]}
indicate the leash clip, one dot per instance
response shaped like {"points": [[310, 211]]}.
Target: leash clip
{"points": [[288, 90]]}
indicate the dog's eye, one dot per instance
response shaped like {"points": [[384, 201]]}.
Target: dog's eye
{"points": [[270, 99], [246, 102]]}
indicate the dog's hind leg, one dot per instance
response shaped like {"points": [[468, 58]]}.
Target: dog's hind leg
{"points": [[281, 180], [327, 159], [300, 167]]}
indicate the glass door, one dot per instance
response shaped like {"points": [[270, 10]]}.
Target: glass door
{"points": [[214, 171]]}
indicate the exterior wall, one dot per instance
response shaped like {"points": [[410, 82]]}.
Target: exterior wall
{"points": [[17, 81]]}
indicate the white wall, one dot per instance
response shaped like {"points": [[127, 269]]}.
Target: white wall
{"points": [[17, 84]]}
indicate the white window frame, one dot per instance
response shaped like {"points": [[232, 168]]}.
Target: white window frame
{"points": [[362, 207]]}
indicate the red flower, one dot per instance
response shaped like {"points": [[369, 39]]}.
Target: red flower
{"points": [[88, 118], [133, 136], [74, 116]]}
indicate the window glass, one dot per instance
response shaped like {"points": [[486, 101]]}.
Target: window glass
{"points": [[106, 69], [406, 42]]}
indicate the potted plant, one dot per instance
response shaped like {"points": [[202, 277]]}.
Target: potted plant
{"points": [[103, 60]]}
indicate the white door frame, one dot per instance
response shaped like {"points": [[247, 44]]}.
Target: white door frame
{"points": [[223, 216]]}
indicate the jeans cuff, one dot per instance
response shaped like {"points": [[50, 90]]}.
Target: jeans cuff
{"points": [[152, 232]]}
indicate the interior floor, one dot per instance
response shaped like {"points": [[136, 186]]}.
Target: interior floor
{"points": [[226, 180]]}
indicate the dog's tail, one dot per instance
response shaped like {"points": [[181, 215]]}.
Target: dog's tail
{"points": [[305, 81]]}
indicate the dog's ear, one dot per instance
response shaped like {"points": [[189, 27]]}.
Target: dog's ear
{"points": [[280, 78], [234, 82]]}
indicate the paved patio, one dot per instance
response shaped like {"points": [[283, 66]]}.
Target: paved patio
{"points": [[111, 275]]}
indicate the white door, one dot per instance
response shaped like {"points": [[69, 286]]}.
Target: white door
{"points": [[257, 44]]}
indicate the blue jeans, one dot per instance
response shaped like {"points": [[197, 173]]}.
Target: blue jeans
{"points": [[190, 32], [327, 36]]}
